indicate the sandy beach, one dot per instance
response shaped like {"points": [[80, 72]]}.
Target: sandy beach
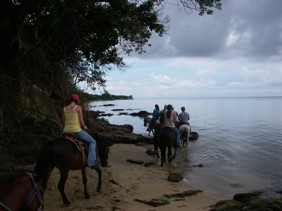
{"points": [[122, 183]]}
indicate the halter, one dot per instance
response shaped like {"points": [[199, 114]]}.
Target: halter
{"points": [[35, 192]]}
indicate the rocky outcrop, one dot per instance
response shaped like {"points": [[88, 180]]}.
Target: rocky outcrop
{"points": [[250, 202], [118, 134]]}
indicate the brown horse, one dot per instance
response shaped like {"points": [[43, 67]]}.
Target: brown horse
{"points": [[20, 190], [167, 140], [65, 155]]}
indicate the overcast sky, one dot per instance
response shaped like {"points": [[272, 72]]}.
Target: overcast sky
{"points": [[234, 52]]}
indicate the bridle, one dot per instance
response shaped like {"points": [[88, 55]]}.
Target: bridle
{"points": [[34, 193]]}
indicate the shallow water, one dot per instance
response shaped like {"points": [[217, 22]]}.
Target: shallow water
{"points": [[240, 141]]}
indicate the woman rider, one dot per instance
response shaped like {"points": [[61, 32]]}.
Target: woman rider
{"points": [[73, 122], [170, 118]]}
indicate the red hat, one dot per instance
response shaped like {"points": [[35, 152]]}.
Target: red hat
{"points": [[74, 97]]}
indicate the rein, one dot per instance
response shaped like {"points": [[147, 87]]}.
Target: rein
{"points": [[3, 205], [35, 192]]}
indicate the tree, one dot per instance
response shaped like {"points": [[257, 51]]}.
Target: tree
{"points": [[45, 42]]}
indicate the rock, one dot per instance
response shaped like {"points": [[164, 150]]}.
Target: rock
{"points": [[175, 177], [135, 161], [141, 114], [154, 202], [245, 196], [183, 194], [193, 136], [248, 202]]}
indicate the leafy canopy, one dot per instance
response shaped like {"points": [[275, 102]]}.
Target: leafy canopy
{"points": [[79, 40]]}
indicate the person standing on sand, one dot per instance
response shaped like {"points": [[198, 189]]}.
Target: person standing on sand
{"points": [[169, 120], [72, 120]]}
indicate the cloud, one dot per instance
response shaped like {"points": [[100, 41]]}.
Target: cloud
{"points": [[235, 52], [243, 28]]}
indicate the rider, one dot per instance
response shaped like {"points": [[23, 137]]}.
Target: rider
{"points": [[156, 115], [183, 117], [73, 122], [170, 119]]}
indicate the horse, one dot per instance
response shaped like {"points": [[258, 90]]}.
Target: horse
{"points": [[184, 135], [157, 127], [65, 154], [147, 120], [21, 190], [167, 139]]}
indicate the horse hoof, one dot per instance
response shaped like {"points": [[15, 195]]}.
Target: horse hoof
{"points": [[67, 204], [99, 190], [87, 196]]}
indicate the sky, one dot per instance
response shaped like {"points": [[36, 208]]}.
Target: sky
{"points": [[236, 52]]}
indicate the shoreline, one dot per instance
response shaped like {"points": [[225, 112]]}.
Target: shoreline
{"points": [[124, 182]]}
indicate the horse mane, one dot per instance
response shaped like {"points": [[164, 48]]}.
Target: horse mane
{"points": [[8, 178]]}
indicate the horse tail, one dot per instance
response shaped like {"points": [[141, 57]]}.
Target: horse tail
{"points": [[45, 164]]}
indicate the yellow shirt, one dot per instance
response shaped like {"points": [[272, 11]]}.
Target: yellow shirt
{"points": [[72, 124]]}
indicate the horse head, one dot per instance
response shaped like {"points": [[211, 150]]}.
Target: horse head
{"points": [[23, 188]]}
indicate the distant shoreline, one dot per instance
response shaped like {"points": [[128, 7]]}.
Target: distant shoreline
{"points": [[106, 96]]}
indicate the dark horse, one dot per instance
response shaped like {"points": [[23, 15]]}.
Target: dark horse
{"points": [[64, 154], [164, 138], [21, 190], [167, 140]]}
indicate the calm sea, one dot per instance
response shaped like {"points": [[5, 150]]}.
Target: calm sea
{"points": [[240, 142]]}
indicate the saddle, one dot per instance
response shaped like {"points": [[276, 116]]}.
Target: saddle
{"points": [[184, 123], [79, 143]]}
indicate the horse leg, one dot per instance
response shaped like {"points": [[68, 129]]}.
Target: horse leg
{"points": [[155, 144], [157, 152], [84, 179], [169, 154], [183, 138], [188, 135], [182, 141], [186, 139], [99, 179], [61, 186], [163, 155], [175, 148]]}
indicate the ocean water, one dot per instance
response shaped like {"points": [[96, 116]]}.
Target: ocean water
{"points": [[239, 145]]}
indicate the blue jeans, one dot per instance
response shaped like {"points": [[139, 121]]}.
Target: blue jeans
{"points": [[91, 158], [177, 133]]}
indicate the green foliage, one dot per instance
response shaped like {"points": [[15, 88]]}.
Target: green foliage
{"points": [[81, 38], [49, 46], [7, 167]]}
